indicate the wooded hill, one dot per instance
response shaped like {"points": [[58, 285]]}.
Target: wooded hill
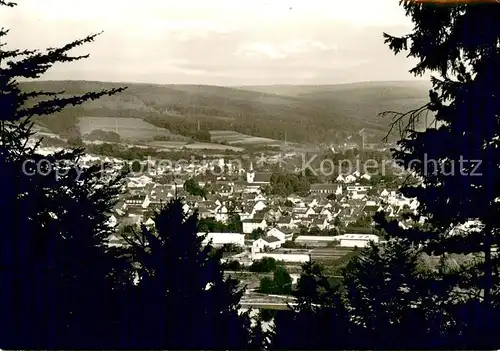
{"points": [[328, 113]]}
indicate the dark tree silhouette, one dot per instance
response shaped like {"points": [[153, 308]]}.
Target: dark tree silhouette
{"points": [[393, 298], [320, 319], [185, 301], [456, 158], [58, 278]]}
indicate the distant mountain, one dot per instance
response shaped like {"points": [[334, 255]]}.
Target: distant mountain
{"points": [[327, 113]]}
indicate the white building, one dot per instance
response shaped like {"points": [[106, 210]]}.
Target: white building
{"points": [[250, 225], [366, 176], [357, 240], [259, 206], [340, 179], [221, 214], [219, 239], [339, 190], [279, 234], [350, 179], [250, 174], [149, 223], [270, 242]]}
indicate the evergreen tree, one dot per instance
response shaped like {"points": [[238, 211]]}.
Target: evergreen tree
{"points": [[184, 301], [392, 298], [320, 319], [58, 278], [456, 158]]}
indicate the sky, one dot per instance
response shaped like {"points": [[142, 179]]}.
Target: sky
{"points": [[217, 42]]}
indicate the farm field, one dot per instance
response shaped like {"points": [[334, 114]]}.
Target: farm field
{"points": [[175, 145], [212, 146], [328, 254], [235, 138], [128, 128]]}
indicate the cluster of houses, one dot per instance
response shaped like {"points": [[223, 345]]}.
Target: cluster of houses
{"points": [[277, 220]]}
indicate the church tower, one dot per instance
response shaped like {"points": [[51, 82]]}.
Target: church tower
{"points": [[250, 174]]}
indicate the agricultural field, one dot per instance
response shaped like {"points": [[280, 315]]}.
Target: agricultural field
{"points": [[328, 254], [128, 128], [235, 138], [212, 146], [177, 145]]}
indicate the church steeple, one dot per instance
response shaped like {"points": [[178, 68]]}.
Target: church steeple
{"points": [[250, 174]]}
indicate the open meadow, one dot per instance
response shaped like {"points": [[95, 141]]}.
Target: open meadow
{"points": [[128, 128], [235, 138]]}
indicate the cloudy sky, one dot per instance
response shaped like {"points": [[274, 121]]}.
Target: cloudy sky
{"points": [[220, 42]]}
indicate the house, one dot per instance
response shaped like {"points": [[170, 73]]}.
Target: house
{"points": [[357, 240], [149, 223], [246, 212], [203, 211], [370, 208], [220, 239], [299, 212], [115, 241], [259, 206], [350, 179], [278, 233], [262, 178], [249, 225], [327, 213], [321, 223], [323, 188], [289, 233], [310, 212], [161, 194], [259, 197], [359, 195], [357, 188], [313, 202], [270, 242], [339, 190], [366, 176], [286, 222], [138, 200], [257, 178], [222, 214]]}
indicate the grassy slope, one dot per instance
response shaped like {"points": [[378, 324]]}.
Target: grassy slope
{"points": [[310, 112]]}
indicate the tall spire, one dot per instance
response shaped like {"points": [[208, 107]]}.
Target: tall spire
{"points": [[251, 166]]}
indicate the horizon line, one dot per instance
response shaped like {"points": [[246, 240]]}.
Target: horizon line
{"points": [[224, 86]]}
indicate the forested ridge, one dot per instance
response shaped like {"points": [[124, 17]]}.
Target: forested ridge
{"points": [[329, 115]]}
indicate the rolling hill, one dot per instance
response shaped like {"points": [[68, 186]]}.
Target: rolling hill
{"points": [[327, 113]]}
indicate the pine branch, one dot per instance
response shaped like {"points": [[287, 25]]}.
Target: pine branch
{"points": [[7, 3], [38, 63], [398, 119], [396, 44], [49, 107]]}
